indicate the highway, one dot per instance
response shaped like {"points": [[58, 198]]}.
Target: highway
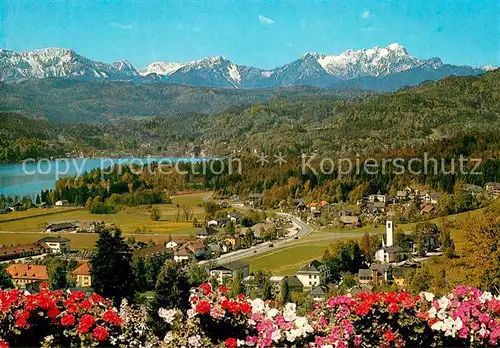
{"points": [[303, 231]]}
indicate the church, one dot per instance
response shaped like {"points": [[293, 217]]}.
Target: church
{"points": [[389, 253]]}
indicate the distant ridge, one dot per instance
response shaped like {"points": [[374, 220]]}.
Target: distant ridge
{"points": [[379, 68]]}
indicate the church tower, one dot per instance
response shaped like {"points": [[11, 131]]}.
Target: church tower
{"points": [[389, 233]]}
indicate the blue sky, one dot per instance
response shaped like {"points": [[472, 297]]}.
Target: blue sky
{"points": [[258, 33]]}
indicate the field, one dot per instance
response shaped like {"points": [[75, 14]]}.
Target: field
{"points": [[289, 259], [27, 226]]}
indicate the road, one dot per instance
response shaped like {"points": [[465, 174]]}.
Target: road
{"points": [[304, 230]]}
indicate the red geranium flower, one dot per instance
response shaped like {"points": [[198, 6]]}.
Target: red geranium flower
{"points": [[393, 308], [67, 320], [100, 333], [389, 336], [85, 323], [231, 342], [53, 313], [112, 317], [223, 289], [203, 307], [86, 304]]}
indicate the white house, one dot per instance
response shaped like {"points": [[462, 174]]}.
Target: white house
{"points": [[182, 255], [62, 203], [57, 244], [230, 270], [212, 223], [389, 252], [313, 274]]}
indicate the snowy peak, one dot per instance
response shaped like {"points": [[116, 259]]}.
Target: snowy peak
{"points": [[387, 68], [376, 62], [161, 68], [59, 62]]}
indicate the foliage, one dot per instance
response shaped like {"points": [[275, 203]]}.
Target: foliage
{"points": [[112, 273], [343, 256], [172, 287]]}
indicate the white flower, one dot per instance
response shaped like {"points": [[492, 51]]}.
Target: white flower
{"points": [[240, 343], [327, 346], [191, 313], [272, 313], [289, 312], [432, 312], [429, 296], [443, 302], [291, 335], [194, 341], [276, 335], [167, 314], [257, 306], [169, 337], [485, 297]]}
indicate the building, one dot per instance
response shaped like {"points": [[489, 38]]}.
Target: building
{"points": [[83, 275], [224, 205], [389, 252], [205, 232], [16, 206], [173, 243], [196, 247], [235, 217], [182, 255], [319, 292], [90, 226], [427, 208], [379, 197], [493, 188], [377, 274], [23, 250], [62, 203], [230, 270], [398, 276], [350, 220], [255, 198], [23, 274], [61, 227], [294, 284], [57, 244], [313, 274]]}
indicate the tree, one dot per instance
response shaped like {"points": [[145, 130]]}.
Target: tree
{"points": [[284, 292], [172, 287], [139, 268], [369, 244], [230, 228], [196, 274], [482, 250], [5, 281], [111, 266], [446, 242], [343, 256], [420, 281], [58, 273], [211, 208], [155, 214], [237, 286]]}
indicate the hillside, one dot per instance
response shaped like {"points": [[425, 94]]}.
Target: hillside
{"points": [[75, 101], [292, 123], [410, 117]]}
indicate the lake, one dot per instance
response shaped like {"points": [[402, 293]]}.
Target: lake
{"points": [[28, 179]]}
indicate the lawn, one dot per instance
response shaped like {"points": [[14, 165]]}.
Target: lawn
{"points": [[78, 240], [34, 212], [289, 259], [129, 219], [25, 227]]}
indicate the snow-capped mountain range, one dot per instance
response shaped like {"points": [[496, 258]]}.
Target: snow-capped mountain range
{"points": [[379, 68]]}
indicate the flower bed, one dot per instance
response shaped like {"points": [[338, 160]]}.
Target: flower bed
{"points": [[465, 317]]}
